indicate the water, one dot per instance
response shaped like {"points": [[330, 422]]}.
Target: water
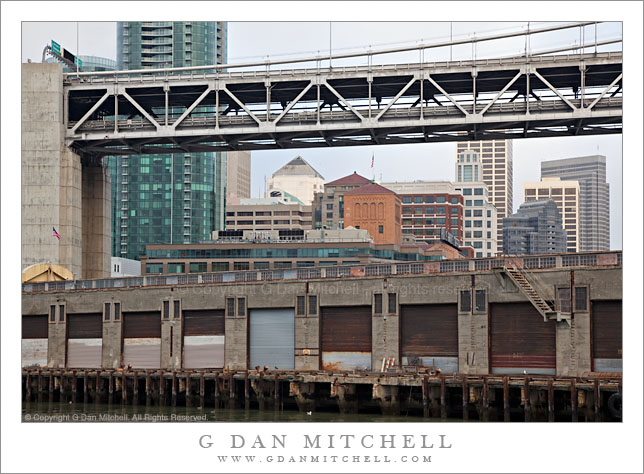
{"points": [[94, 412]]}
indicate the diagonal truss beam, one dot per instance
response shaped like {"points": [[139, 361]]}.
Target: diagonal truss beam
{"points": [[328, 86], [554, 89], [242, 105], [393, 101], [192, 107], [91, 111], [617, 79], [141, 109], [295, 101], [507, 86], [437, 86]]}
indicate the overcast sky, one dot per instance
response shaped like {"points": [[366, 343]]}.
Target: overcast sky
{"points": [[249, 41]]}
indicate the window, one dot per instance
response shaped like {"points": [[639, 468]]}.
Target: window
{"points": [[478, 213], [377, 303], [299, 307], [329, 207], [198, 267], [479, 301], [177, 309], [230, 305], [237, 266], [478, 202], [176, 267], [468, 223], [392, 303], [241, 306], [407, 210], [478, 234], [467, 191], [564, 299], [454, 222], [468, 202], [418, 199], [440, 210], [440, 199], [478, 223], [478, 245], [429, 199], [478, 191], [489, 213], [466, 301], [429, 210], [453, 211], [581, 298], [260, 265], [166, 310], [313, 304], [406, 199], [454, 200], [468, 213], [380, 229], [117, 311]]}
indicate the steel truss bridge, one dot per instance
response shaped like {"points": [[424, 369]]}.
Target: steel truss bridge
{"points": [[216, 108]]}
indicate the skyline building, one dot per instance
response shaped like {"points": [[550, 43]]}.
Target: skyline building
{"points": [[238, 166], [167, 198], [594, 197], [565, 194], [480, 216], [377, 210], [328, 205], [297, 178], [497, 173], [535, 229]]}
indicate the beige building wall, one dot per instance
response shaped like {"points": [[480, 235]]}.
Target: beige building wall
{"points": [[497, 173], [566, 195], [238, 175], [268, 216], [302, 187]]}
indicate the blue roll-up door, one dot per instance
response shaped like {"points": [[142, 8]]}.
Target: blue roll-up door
{"points": [[272, 338]]}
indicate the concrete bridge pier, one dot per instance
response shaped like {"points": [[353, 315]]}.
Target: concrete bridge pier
{"points": [[60, 189]]}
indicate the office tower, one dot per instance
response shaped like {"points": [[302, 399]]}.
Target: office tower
{"points": [[565, 194], [594, 197], [297, 178], [535, 229], [238, 175], [167, 198], [480, 216], [497, 166]]}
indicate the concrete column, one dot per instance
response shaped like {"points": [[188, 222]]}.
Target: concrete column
{"points": [[307, 343], [346, 396], [384, 335], [387, 395], [56, 344], [573, 346], [473, 343], [304, 394], [112, 350], [235, 349], [97, 218], [171, 337], [71, 223]]}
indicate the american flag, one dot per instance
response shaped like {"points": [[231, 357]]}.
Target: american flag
{"points": [[372, 160], [55, 234]]}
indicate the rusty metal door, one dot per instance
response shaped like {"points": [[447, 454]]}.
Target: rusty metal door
{"points": [[35, 332], [84, 340], [272, 338], [142, 339], [346, 337], [203, 339], [429, 336], [607, 335], [520, 340]]}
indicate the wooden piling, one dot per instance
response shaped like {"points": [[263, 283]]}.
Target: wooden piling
{"points": [[161, 389], [202, 390], [28, 386], [426, 396], [188, 400], [526, 402], [174, 389], [551, 401], [506, 399], [573, 400], [98, 387], [443, 399], [51, 387], [277, 392], [231, 389], [597, 398], [466, 399], [217, 395], [260, 391], [74, 386], [486, 400], [39, 386], [123, 388], [246, 391], [85, 384]]}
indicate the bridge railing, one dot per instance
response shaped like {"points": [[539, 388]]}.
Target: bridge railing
{"points": [[531, 262]]}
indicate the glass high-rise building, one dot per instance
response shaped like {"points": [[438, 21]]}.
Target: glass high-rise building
{"points": [[594, 197], [167, 198]]}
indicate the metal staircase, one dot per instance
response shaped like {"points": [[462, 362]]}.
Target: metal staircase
{"points": [[520, 279]]}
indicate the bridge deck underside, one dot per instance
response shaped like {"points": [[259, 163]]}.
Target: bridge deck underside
{"points": [[561, 96]]}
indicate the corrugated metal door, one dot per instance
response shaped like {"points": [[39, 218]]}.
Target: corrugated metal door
{"points": [[84, 340], [203, 339], [607, 335], [142, 339], [429, 336], [520, 340], [35, 331], [346, 337], [272, 338]]}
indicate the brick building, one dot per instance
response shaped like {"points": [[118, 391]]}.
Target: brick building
{"points": [[376, 209]]}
